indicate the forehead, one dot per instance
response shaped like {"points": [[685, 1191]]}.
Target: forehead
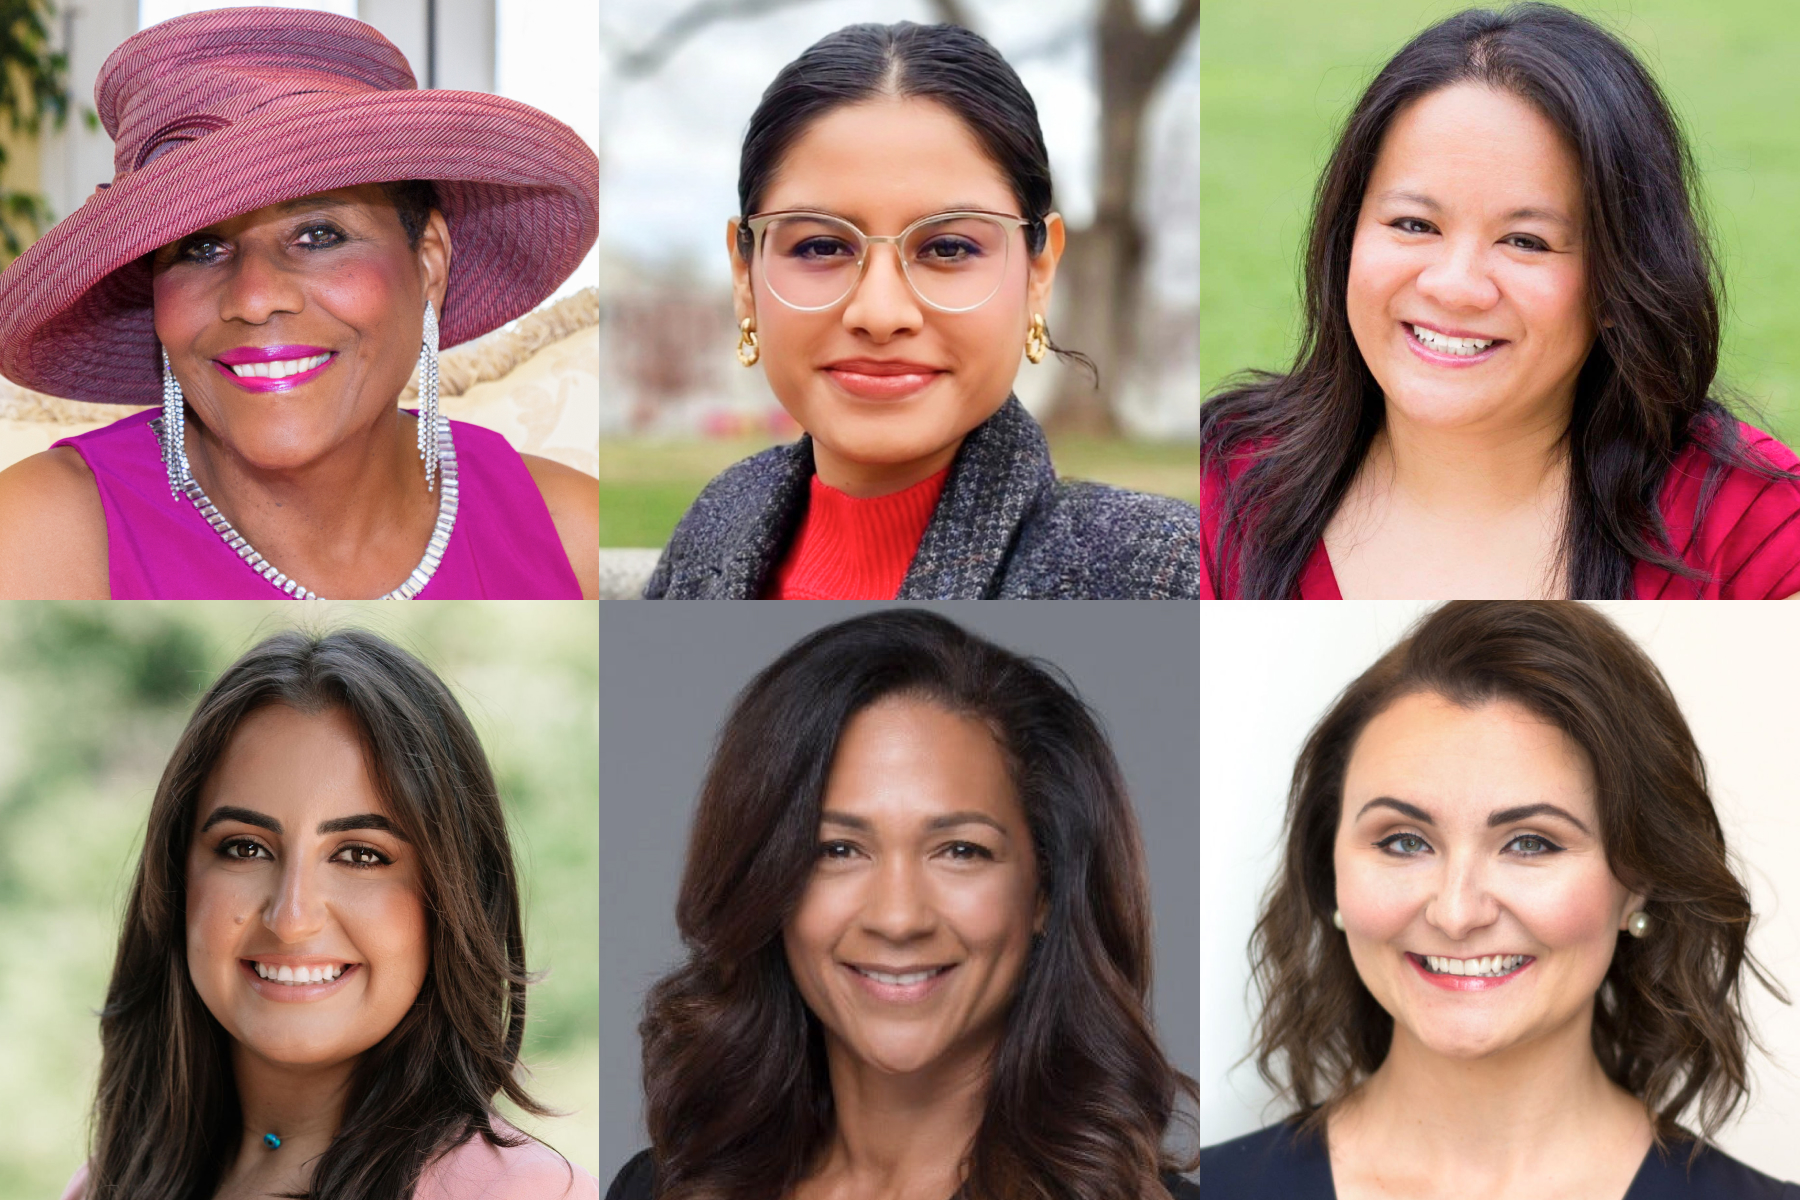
{"points": [[279, 759], [1461, 763], [1477, 148], [906, 760], [887, 160]]}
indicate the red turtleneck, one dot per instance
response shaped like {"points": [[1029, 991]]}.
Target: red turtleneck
{"points": [[853, 549]]}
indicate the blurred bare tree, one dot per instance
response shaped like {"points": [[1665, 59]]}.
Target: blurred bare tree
{"points": [[1102, 267]]}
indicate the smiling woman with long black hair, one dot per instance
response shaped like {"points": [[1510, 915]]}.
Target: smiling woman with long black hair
{"points": [[320, 985], [1505, 381], [917, 928]]}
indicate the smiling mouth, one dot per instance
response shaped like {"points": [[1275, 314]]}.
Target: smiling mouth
{"points": [[280, 368], [908, 979], [299, 976], [1494, 966], [1456, 347]]}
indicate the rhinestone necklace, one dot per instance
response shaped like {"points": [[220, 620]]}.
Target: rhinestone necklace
{"points": [[421, 574]]}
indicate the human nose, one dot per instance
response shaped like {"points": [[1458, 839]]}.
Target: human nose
{"points": [[882, 303], [257, 287], [1458, 277], [897, 906], [295, 910], [1462, 903]]}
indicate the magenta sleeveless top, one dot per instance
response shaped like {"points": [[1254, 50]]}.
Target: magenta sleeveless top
{"points": [[159, 547]]}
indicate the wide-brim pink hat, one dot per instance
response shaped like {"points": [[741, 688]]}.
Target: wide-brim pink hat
{"points": [[219, 113]]}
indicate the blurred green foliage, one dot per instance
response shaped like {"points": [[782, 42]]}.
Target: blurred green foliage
{"points": [[92, 698], [1277, 79]]}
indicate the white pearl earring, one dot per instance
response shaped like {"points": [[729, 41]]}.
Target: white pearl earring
{"points": [[1639, 924], [1337, 917]]}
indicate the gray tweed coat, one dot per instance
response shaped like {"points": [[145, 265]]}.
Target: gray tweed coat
{"points": [[1004, 527]]}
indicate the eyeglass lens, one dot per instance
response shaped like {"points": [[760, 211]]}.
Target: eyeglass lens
{"points": [[957, 262]]}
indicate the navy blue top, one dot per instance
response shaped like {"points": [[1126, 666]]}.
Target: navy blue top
{"points": [[1271, 1164], [637, 1181]]}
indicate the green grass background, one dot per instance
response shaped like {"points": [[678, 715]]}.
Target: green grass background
{"points": [[92, 698], [1277, 78]]}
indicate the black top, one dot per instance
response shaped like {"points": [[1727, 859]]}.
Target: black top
{"points": [[1271, 1164], [638, 1182]]}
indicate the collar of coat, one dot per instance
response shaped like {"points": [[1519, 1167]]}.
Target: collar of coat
{"points": [[1000, 473]]}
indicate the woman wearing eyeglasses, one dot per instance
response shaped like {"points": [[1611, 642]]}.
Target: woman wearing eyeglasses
{"points": [[894, 257]]}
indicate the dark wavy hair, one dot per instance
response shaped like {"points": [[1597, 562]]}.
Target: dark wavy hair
{"points": [[166, 1119], [954, 66], [1290, 445], [1669, 1024], [1080, 1097]]}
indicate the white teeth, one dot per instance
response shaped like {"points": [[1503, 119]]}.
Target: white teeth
{"points": [[1489, 967], [280, 369], [298, 976], [906, 980], [1462, 347]]}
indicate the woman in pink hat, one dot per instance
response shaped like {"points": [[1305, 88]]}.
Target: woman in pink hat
{"points": [[291, 228]]}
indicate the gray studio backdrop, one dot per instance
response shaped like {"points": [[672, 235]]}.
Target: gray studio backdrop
{"points": [[668, 673]]}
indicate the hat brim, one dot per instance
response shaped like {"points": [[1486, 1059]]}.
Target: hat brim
{"points": [[518, 189]]}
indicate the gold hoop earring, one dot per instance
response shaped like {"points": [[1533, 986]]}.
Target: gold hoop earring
{"points": [[1037, 340], [747, 349]]}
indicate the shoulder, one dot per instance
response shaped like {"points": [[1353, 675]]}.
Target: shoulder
{"points": [[1100, 542], [636, 1180], [52, 529], [1713, 1175], [1180, 1188], [479, 1170], [734, 512], [756, 479], [573, 499], [1731, 504], [1270, 1164]]}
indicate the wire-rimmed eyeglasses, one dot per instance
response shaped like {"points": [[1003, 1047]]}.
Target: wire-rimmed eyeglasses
{"points": [[953, 261]]}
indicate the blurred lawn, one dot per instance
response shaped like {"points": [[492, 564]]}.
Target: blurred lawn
{"points": [[92, 698], [1278, 77], [645, 486]]}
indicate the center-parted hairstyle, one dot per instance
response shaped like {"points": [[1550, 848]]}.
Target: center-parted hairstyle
{"points": [[166, 1119], [1669, 1024], [947, 64], [1291, 444], [1080, 1096]]}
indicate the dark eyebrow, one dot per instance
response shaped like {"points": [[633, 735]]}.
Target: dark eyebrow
{"points": [[1517, 214], [1400, 806], [951, 820], [227, 812], [249, 816], [947, 821], [360, 821], [1507, 816]]}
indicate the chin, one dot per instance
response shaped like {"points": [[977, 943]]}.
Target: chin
{"points": [[1443, 407]]}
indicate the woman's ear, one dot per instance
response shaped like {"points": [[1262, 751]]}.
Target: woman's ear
{"points": [[434, 259], [1041, 272], [743, 297]]}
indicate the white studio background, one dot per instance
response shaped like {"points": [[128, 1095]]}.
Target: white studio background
{"points": [[1268, 671]]}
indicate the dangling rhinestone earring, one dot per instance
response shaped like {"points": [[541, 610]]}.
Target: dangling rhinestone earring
{"points": [[174, 430], [428, 398]]}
